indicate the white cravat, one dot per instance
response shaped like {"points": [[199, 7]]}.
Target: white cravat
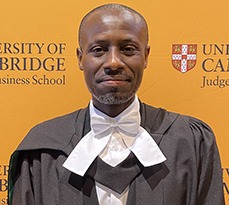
{"points": [[131, 137]]}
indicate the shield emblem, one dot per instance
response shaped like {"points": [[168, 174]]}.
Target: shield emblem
{"points": [[184, 56]]}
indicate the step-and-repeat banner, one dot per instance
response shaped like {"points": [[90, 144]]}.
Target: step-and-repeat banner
{"points": [[188, 69]]}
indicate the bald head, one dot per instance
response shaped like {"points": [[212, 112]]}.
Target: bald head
{"points": [[107, 9]]}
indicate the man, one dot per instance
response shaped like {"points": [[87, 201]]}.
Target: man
{"points": [[118, 150]]}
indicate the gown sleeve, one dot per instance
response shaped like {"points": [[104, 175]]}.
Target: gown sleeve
{"points": [[36, 177], [20, 190], [210, 185]]}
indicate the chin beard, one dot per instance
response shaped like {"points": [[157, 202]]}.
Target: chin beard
{"points": [[113, 98]]}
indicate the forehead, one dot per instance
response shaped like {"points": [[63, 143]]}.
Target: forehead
{"points": [[113, 22], [110, 15]]}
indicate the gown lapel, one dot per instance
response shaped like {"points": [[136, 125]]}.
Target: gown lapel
{"points": [[148, 187], [81, 190]]}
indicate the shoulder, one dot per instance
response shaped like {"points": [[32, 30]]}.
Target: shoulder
{"points": [[52, 134], [160, 120], [189, 130], [58, 123], [195, 126], [202, 134]]}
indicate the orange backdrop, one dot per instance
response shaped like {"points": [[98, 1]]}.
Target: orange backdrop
{"points": [[42, 35]]}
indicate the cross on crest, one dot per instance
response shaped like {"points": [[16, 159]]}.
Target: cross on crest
{"points": [[184, 56]]}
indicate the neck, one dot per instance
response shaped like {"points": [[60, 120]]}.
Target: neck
{"points": [[111, 110]]}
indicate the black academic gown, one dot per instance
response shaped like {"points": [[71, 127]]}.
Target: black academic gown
{"points": [[191, 175]]}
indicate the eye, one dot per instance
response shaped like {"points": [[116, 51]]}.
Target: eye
{"points": [[98, 51], [129, 50]]}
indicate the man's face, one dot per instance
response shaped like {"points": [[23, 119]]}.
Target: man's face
{"points": [[113, 55]]}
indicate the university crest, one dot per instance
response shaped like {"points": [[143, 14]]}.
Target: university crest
{"points": [[184, 56]]}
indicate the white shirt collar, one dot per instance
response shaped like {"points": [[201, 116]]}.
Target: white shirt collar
{"points": [[90, 146]]}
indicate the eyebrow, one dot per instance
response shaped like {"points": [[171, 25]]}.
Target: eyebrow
{"points": [[98, 41]]}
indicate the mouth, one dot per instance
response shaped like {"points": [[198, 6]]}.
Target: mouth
{"points": [[116, 80]]}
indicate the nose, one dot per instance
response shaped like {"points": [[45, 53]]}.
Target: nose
{"points": [[113, 62]]}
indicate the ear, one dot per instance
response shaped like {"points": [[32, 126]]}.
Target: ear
{"points": [[79, 56], [147, 51]]}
